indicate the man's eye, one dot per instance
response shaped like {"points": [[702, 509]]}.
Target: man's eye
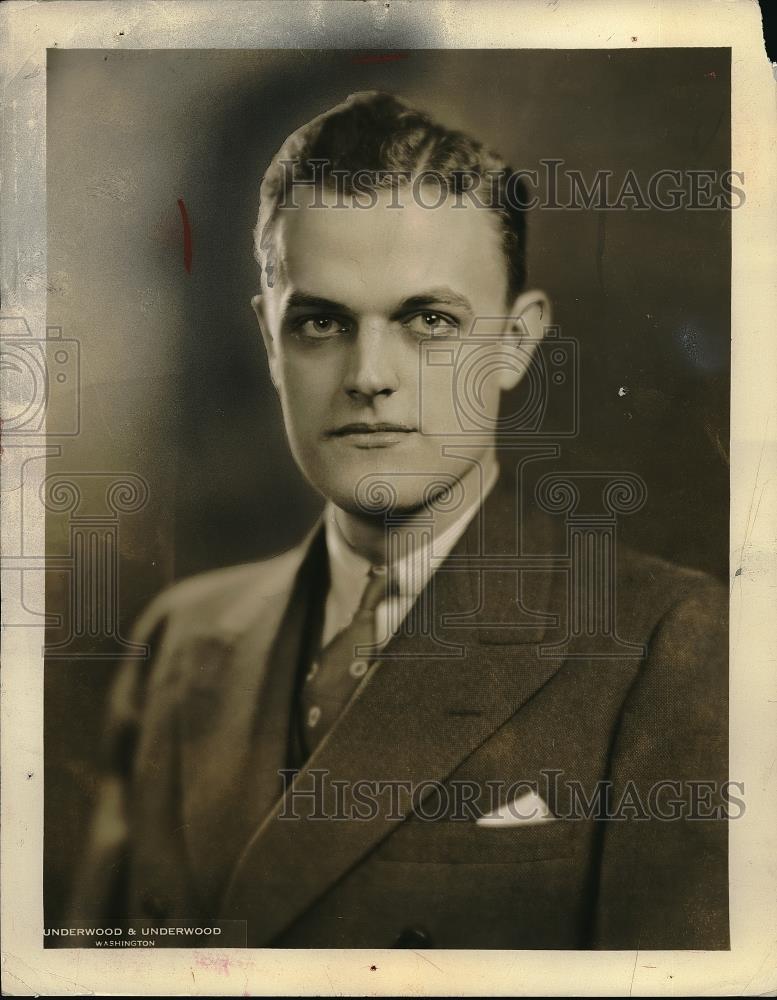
{"points": [[432, 324], [321, 327]]}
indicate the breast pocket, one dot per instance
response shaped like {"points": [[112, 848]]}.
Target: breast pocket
{"points": [[464, 842]]}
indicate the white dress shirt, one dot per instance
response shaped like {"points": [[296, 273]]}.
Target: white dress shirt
{"points": [[422, 553]]}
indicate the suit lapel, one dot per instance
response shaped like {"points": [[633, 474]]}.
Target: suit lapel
{"points": [[428, 703], [235, 714]]}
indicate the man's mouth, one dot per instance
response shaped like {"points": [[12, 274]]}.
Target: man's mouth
{"points": [[372, 435], [370, 428]]}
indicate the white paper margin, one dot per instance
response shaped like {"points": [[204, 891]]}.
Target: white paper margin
{"points": [[750, 968]]}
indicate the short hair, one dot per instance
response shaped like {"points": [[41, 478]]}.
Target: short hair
{"points": [[379, 134]]}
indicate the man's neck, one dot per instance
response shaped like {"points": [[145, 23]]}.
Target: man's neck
{"points": [[367, 536]]}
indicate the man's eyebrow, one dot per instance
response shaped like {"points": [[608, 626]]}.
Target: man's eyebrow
{"points": [[302, 300], [422, 300], [434, 297]]}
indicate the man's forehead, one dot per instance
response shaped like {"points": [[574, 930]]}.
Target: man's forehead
{"points": [[343, 247]]}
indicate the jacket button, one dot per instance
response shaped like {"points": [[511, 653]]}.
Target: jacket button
{"points": [[154, 905], [414, 937]]}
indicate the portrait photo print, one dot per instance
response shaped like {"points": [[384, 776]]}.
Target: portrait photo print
{"points": [[387, 498]]}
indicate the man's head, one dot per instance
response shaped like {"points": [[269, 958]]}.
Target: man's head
{"points": [[382, 237]]}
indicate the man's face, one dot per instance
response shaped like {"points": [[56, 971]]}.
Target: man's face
{"points": [[360, 296]]}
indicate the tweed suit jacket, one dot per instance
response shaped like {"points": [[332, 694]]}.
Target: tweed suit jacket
{"points": [[501, 688]]}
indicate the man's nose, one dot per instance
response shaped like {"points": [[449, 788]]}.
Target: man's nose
{"points": [[372, 368]]}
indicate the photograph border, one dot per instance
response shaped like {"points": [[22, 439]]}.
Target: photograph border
{"points": [[27, 31]]}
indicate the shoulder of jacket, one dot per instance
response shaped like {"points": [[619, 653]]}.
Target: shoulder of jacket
{"points": [[223, 600], [683, 616], [654, 587]]}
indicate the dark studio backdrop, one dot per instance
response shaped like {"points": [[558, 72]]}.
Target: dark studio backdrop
{"points": [[173, 381]]}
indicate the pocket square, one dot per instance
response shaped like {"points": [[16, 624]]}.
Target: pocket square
{"points": [[528, 809]]}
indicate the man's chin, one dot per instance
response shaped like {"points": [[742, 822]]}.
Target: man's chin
{"points": [[378, 499], [367, 490]]}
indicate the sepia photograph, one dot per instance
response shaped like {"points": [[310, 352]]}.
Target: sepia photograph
{"points": [[421, 399], [377, 419]]}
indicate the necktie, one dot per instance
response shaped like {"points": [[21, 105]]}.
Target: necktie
{"points": [[339, 668]]}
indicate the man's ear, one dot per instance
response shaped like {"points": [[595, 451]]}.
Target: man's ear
{"points": [[529, 317], [257, 304]]}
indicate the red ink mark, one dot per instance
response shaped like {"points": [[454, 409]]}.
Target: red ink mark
{"points": [[213, 962], [379, 58], [187, 237], [712, 75]]}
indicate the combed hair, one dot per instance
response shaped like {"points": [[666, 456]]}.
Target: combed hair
{"points": [[380, 135]]}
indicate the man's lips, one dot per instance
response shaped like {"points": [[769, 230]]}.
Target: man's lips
{"points": [[370, 428], [369, 435]]}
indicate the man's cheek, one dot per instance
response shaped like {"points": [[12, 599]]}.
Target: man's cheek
{"points": [[437, 410], [303, 395]]}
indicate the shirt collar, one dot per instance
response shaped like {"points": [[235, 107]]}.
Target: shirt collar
{"points": [[411, 571]]}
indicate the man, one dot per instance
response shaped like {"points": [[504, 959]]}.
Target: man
{"points": [[402, 733]]}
